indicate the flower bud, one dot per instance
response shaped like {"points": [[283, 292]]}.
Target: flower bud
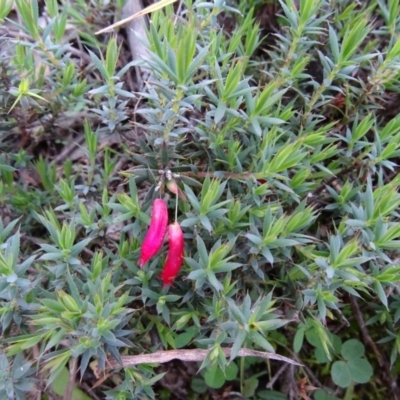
{"points": [[156, 232], [174, 188], [174, 259]]}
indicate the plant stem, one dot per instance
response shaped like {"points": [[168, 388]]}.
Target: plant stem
{"points": [[71, 380], [318, 93], [176, 208]]}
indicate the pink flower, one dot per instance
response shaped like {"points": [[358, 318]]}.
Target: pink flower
{"points": [[156, 232], [174, 259]]}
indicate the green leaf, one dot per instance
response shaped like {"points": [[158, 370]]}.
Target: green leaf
{"points": [[60, 383], [214, 281], [30, 15], [183, 339], [341, 374], [321, 394], [321, 356], [354, 36], [78, 247], [361, 370], [236, 312], [220, 112], [232, 80], [352, 349], [214, 377], [333, 41], [111, 57], [5, 8], [261, 341], [99, 64], [298, 340], [381, 293], [198, 385], [271, 324], [250, 387], [231, 371], [237, 344], [57, 364]]}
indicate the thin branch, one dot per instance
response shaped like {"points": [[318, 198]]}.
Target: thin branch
{"points": [[18, 35], [178, 11], [276, 376], [310, 374], [344, 171], [71, 380], [191, 355], [364, 330], [147, 10]]}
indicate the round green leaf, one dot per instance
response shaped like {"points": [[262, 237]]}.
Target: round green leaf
{"points": [[250, 387], [321, 394], [231, 371], [214, 377], [352, 348], [313, 338], [184, 338], [340, 374], [360, 370], [198, 385]]}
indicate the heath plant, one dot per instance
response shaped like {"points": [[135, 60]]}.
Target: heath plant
{"points": [[229, 223]]}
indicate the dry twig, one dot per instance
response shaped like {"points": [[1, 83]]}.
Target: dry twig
{"points": [[71, 380], [191, 355]]}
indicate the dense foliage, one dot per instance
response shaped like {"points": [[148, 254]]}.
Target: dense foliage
{"points": [[271, 131]]}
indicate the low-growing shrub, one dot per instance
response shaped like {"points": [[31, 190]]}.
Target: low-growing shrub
{"points": [[266, 135]]}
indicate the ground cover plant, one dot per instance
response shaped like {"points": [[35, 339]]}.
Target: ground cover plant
{"points": [[215, 219]]}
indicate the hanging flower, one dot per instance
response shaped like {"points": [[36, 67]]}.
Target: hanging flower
{"points": [[156, 232], [174, 259]]}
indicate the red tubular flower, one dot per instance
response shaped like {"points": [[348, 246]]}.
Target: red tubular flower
{"points": [[174, 259], [156, 232]]}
